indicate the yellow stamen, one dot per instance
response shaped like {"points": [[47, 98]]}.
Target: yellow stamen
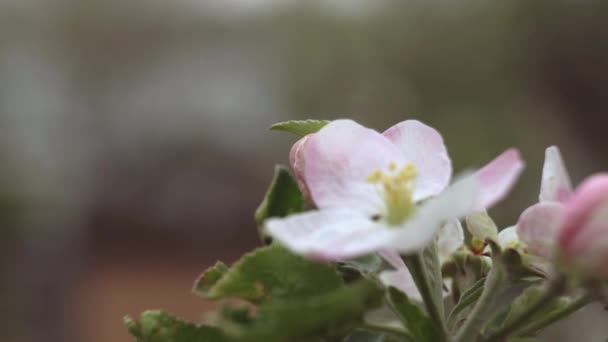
{"points": [[397, 188]]}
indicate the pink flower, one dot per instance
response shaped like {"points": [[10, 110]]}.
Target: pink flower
{"points": [[377, 192], [583, 234], [535, 232], [575, 224]]}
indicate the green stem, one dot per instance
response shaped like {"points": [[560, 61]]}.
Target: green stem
{"points": [[555, 288], [557, 316], [385, 329], [484, 307], [435, 310]]}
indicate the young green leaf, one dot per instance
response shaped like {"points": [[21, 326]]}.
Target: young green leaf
{"points": [[431, 271], [159, 326], [274, 271], [300, 127], [282, 198], [418, 324], [468, 298], [206, 281], [530, 296], [302, 318]]}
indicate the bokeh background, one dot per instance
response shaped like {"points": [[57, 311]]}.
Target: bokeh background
{"points": [[134, 140]]}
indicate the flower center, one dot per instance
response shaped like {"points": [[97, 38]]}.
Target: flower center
{"points": [[397, 186]]}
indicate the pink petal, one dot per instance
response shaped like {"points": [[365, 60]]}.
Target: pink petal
{"points": [[556, 185], [402, 280], [423, 146], [580, 209], [450, 239], [297, 161], [330, 234], [340, 158], [588, 249], [498, 177], [538, 226]]}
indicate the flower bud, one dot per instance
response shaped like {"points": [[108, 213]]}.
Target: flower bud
{"points": [[296, 159], [583, 235], [482, 227]]}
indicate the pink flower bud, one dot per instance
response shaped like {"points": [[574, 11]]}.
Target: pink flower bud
{"points": [[583, 236], [296, 159]]}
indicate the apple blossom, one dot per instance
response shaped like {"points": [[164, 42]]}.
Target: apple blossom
{"points": [[576, 223], [583, 234], [535, 233], [382, 191]]}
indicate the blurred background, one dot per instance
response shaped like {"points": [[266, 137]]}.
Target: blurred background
{"points": [[134, 137]]}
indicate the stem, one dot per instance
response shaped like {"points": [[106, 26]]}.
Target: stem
{"points": [[386, 330], [555, 288], [484, 306], [417, 269], [559, 315]]}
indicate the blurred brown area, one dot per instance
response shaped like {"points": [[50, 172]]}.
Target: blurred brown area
{"points": [[134, 142]]}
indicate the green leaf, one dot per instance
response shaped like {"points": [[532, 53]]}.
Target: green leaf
{"points": [[300, 127], [370, 263], [523, 339], [332, 313], [529, 297], [276, 272], [418, 324], [485, 305], [432, 271], [465, 270], [282, 198], [206, 281], [362, 335], [159, 326], [468, 298]]}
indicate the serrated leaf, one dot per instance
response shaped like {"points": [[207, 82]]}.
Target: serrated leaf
{"points": [[282, 198], [206, 281], [274, 271], [159, 326], [301, 318], [300, 127], [418, 324]]}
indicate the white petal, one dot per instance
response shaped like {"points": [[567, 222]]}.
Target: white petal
{"points": [[450, 238], [393, 258], [340, 158], [508, 236], [455, 202], [498, 177], [423, 146], [538, 227], [338, 234], [331, 234], [556, 185], [402, 280]]}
